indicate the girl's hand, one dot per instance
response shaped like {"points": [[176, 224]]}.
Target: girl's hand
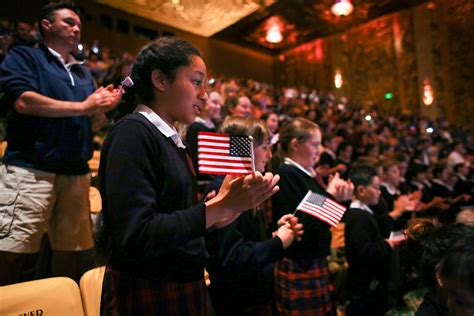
{"points": [[238, 194], [340, 189], [292, 221]]}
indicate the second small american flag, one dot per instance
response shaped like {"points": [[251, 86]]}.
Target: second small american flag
{"points": [[224, 154], [322, 207]]}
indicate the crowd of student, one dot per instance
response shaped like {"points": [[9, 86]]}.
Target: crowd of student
{"points": [[405, 172], [400, 168], [398, 175]]}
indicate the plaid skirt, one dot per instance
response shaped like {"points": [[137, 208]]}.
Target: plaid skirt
{"points": [[123, 294], [303, 287]]}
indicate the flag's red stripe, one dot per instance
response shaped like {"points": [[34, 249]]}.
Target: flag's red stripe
{"points": [[320, 216], [214, 153], [333, 214], [333, 202], [226, 171], [322, 210], [336, 205], [218, 141], [210, 151], [335, 210], [213, 147], [222, 172], [315, 207], [224, 163], [320, 213], [225, 167], [247, 160], [332, 208], [213, 134], [324, 219]]}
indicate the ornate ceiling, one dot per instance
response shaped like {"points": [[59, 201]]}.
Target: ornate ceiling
{"points": [[201, 17], [305, 20], [247, 22]]}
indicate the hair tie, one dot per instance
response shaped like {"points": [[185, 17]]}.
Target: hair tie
{"points": [[126, 82]]}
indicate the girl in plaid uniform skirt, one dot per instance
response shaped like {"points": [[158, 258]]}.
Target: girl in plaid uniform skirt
{"points": [[152, 224], [302, 284], [242, 255]]}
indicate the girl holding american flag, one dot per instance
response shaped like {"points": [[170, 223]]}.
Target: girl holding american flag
{"points": [[153, 226], [302, 284]]}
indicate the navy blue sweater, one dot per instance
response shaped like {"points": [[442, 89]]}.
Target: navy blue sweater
{"points": [[294, 184], [58, 145], [149, 204], [367, 252], [240, 265]]}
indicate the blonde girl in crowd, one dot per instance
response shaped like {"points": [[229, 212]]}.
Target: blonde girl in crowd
{"points": [[302, 284]]}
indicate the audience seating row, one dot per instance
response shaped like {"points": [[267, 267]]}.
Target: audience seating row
{"points": [[54, 296]]}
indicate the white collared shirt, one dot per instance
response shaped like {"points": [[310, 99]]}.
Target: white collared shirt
{"points": [[442, 183], [207, 123], [291, 162], [390, 188], [358, 204], [160, 124], [274, 139], [71, 62]]}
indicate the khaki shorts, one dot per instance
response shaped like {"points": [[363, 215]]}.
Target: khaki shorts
{"points": [[33, 200]]}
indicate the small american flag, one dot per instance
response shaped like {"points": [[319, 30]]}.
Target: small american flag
{"points": [[225, 154], [322, 207]]}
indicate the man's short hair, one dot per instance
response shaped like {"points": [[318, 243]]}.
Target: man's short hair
{"points": [[47, 12]]}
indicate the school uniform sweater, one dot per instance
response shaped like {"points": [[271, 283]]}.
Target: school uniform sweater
{"points": [[149, 204], [366, 251], [240, 265], [294, 184]]}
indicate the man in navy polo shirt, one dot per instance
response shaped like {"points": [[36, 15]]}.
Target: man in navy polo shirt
{"points": [[45, 179]]}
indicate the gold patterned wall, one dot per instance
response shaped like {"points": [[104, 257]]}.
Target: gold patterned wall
{"points": [[397, 54], [374, 59], [458, 62]]}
